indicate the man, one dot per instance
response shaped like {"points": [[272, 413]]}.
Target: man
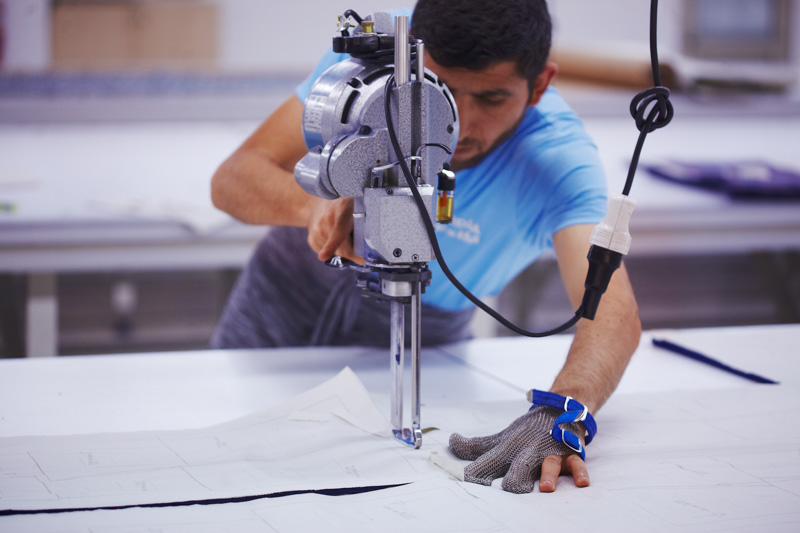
{"points": [[529, 180]]}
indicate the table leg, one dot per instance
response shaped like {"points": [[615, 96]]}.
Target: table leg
{"points": [[41, 314]]}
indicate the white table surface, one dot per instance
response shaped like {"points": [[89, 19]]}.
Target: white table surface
{"points": [[182, 390], [174, 390]]}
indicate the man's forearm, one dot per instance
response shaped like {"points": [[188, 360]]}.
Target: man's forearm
{"points": [[602, 347], [256, 183], [253, 189]]}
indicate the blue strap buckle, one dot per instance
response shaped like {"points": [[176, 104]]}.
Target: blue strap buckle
{"points": [[574, 411], [570, 440]]}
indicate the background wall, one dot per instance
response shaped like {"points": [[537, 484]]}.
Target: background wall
{"points": [[254, 35], [286, 38]]}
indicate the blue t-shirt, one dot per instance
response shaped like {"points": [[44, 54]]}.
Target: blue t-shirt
{"points": [[545, 177]]}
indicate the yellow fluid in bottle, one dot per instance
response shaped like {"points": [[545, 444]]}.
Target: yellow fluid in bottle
{"points": [[444, 208]]}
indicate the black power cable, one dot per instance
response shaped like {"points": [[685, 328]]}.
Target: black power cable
{"points": [[661, 112], [602, 262], [426, 219]]}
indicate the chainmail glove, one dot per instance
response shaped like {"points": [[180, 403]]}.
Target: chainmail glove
{"points": [[517, 452]]}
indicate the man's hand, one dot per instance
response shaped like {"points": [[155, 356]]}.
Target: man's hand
{"points": [[330, 229], [523, 452]]}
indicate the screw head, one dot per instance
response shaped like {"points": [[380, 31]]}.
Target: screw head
{"points": [[397, 252]]}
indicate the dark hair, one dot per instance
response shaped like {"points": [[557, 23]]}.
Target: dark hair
{"points": [[475, 34]]}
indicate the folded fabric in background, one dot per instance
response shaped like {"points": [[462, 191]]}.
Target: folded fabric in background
{"points": [[742, 179]]}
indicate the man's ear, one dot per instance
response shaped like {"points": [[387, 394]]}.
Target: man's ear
{"points": [[542, 82]]}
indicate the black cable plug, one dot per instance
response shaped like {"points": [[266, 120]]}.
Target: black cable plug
{"points": [[610, 240], [602, 264]]}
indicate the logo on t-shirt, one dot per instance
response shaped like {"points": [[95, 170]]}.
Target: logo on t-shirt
{"points": [[464, 230]]}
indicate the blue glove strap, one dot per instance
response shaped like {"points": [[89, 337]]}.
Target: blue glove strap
{"points": [[574, 411]]}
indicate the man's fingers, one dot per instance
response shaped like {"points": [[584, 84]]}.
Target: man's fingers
{"points": [[317, 241], [337, 242], [554, 465], [330, 227], [328, 249], [579, 471], [347, 251], [551, 468], [343, 232]]}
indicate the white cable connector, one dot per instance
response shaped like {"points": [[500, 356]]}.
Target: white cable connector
{"points": [[612, 233]]}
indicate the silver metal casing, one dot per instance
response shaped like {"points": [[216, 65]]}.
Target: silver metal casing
{"points": [[350, 154]]}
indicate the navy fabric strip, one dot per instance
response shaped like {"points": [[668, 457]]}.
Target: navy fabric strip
{"points": [[210, 501], [697, 356]]}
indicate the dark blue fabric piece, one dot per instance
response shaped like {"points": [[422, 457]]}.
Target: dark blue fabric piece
{"points": [[210, 501]]}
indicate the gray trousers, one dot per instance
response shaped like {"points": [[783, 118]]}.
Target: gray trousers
{"points": [[285, 296]]}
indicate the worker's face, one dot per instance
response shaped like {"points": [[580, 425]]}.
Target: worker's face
{"points": [[491, 104]]}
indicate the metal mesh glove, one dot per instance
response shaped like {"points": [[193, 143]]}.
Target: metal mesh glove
{"points": [[517, 452]]}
